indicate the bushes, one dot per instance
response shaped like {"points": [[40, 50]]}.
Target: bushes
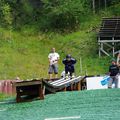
{"points": [[64, 14], [57, 15], [115, 10]]}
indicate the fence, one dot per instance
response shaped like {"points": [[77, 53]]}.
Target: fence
{"points": [[6, 87]]}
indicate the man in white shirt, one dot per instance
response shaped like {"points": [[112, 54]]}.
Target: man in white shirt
{"points": [[53, 63]]}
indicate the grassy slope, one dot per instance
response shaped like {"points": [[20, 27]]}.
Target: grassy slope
{"points": [[24, 54], [3, 97]]}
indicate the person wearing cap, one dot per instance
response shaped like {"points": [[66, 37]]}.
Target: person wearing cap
{"points": [[53, 63], [113, 72], [69, 63]]}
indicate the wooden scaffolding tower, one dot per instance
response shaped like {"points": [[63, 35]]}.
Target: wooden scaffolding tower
{"points": [[109, 36]]}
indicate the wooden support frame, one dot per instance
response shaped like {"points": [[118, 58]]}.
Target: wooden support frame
{"points": [[29, 88], [111, 44], [109, 36], [64, 84]]}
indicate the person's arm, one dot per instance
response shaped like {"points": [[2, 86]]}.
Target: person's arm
{"points": [[49, 58], [64, 61], [58, 57], [74, 61], [118, 69], [109, 71], [118, 61]]}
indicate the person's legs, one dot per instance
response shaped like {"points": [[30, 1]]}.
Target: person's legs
{"points": [[72, 70], [55, 67], [66, 72], [110, 82], [116, 81], [50, 76], [50, 71]]}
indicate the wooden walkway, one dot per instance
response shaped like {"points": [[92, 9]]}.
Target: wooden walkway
{"points": [[63, 84], [109, 36]]}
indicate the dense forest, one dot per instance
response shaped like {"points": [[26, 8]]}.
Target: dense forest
{"points": [[60, 15]]}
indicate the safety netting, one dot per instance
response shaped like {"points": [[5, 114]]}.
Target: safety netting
{"points": [[77, 105]]}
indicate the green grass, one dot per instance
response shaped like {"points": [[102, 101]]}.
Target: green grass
{"points": [[25, 53], [3, 97]]}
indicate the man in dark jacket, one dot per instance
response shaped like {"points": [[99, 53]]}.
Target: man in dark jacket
{"points": [[113, 72], [69, 65]]}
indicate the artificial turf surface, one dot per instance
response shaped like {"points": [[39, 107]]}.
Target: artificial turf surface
{"points": [[89, 105]]}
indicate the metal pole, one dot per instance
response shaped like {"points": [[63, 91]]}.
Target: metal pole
{"points": [[113, 50], [99, 49], [113, 47]]}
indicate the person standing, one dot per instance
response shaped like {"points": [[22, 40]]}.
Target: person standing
{"points": [[113, 72], [53, 63], [69, 63]]}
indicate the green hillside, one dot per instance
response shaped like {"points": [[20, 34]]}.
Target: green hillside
{"points": [[25, 54], [24, 50]]}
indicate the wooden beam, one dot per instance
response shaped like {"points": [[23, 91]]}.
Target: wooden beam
{"points": [[108, 45], [79, 85], [109, 41], [105, 52]]}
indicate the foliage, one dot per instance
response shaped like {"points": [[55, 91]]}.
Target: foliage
{"points": [[64, 14], [115, 10], [114, 1], [57, 15], [15, 12], [7, 16], [3, 97], [24, 53]]}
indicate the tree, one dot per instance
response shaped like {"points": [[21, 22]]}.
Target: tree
{"points": [[64, 14]]}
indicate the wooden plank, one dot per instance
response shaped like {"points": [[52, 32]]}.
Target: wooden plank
{"points": [[29, 88], [63, 85], [27, 83], [59, 81], [79, 86], [69, 81], [108, 41], [41, 94]]}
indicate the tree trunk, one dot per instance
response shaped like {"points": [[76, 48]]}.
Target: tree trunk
{"points": [[105, 1], [93, 4]]}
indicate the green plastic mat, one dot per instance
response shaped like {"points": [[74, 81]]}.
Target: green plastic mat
{"points": [[79, 105]]}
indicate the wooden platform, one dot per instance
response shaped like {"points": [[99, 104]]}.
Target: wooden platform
{"points": [[63, 84], [31, 88], [109, 36]]}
